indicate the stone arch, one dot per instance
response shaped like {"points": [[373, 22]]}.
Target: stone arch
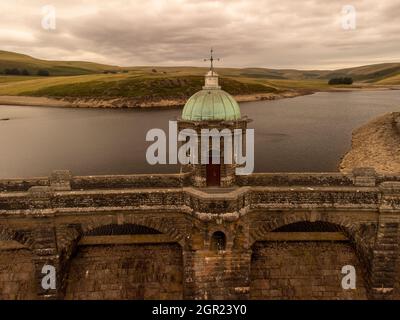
{"points": [[161, 225], [305, 264], [121, 229], [140, 271], [127, 271], [346, 225], [218, 241], [227, 230]]}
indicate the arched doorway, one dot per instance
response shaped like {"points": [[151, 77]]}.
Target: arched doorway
{"points": [[126, 261], [218, 241], [304, 260]]}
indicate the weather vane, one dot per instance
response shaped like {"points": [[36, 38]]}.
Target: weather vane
{"points": [[211, 59]]}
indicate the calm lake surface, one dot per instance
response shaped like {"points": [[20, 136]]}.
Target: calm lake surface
{"points": [[309, 133]]}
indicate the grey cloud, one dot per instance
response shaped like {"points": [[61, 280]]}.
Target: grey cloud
{"points": [[264, 33]]}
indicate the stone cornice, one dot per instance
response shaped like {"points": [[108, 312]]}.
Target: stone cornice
{"points": [[205, 205]]}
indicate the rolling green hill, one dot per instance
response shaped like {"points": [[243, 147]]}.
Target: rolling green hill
{"points": [[10, 60], [394, 80], [370, 73], [151, 87], [86, 79], [125, 85]]}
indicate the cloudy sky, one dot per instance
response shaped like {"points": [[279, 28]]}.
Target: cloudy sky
{"points": [[303, 34]]}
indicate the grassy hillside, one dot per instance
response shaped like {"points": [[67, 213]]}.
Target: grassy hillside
{"points": [[86, 79], [128, 86], [370, 73], [10, 60], [26, 84], [394, 80]]}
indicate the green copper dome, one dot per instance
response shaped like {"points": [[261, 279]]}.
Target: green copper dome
{"points": [[211, 104]]}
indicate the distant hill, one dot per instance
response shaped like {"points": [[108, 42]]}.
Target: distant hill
{"points": [[11, 60], [369, 73], [288, 74], [86, 80], [394, 80]]}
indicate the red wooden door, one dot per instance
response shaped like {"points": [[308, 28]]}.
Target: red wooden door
{"points": [[213, 174]]}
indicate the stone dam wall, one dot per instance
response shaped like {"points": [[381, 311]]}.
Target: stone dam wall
{"points": [[272, 236], [64, 180]]}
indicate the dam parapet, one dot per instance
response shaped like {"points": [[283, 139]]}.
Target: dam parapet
{"points": [[63, 180]]}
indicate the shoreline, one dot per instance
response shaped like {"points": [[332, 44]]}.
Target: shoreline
{"points": [[375, 144], [131, 103]]}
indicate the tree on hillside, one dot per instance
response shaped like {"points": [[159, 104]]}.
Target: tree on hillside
{"points": [[341, 80], [25, 72], [43, 73], [13, 71]]}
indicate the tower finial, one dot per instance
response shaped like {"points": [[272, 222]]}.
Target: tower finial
{"points": [[211, 59]]}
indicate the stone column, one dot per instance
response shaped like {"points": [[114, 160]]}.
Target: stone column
{"points": [[364, 177], [60, 180], [216, 274], [386, 248], [53, 248], [45, 254]]}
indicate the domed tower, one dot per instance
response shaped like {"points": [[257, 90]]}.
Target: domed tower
{"points": [[208, 111]]}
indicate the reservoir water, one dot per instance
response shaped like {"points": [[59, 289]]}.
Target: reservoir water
{"points": [[303, 134]]}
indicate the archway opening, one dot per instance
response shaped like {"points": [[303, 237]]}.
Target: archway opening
{"points": [[121, 229], [218, 241], [127, 261], [307, 226], [304, 260]]}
